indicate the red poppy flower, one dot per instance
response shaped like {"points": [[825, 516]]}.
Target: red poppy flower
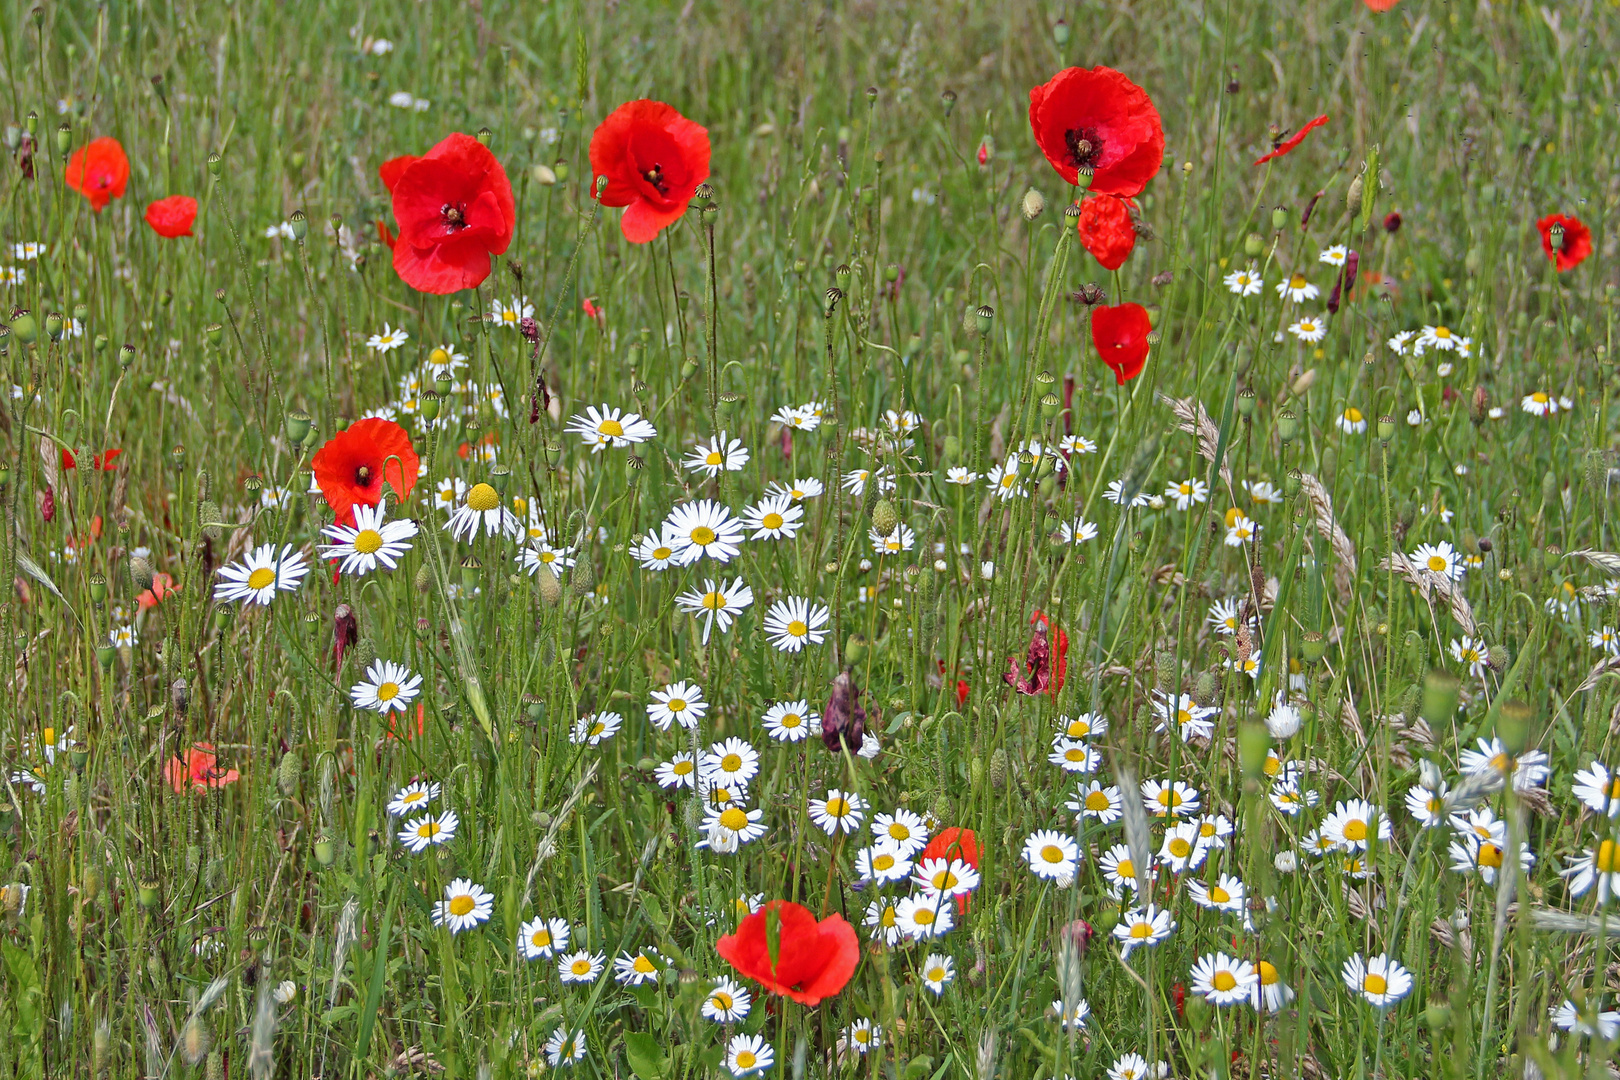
{"points": [[353, 464], [102, 462], [1380, 5], [98, 170], [654, 159], [406, 731], [1046, 673], [1293, 140], [1577, 240], [172, 217], [954, 843], [1120, 333], [455, 209], [962, 689], [1107, 230], [1098, 119], [162, 586], [197, 770], [814, 960]]}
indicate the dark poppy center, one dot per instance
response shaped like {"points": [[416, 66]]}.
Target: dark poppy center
{"points": [[362, 475], [455, 217], [655, 177], [1085, 147]]}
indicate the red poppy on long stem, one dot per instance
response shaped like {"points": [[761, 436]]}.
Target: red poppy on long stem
{"points": [[455, 209], [1120, 334], [98, 170], [197, 770], [1575, 240], [353, 465], [1293, 140], [172, 217], [810, 960], [1106, 229], [654, 159], [162, 586], [102, 462], [1098, 120]]}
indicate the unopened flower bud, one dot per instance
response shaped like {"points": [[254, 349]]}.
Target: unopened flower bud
{"points": [[1034, 204]]}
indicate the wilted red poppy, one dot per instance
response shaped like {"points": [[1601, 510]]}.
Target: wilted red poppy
{"points": [[162, 586], [172, 217], [1577, 241], [353, 464], [1106, 229], [1097, 119], [102, 462], [1293, 140], [1120, 333], [1046, 671], [455, 209], [654, 159], [814, 960], [98, 170], [197, 770]]}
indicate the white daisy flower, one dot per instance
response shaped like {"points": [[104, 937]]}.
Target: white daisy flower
{"points": [[464, 906], [257, 578], [1244, 282], [793, 622], [789, 721], [511, 313], [1308, 329], [580, 966], [1223, 980], [747, 1055], [703, 528], [840, 811], [925, 916], [541, 938], [716, 604], [679, 771], [1382, 981], [1142, 928], [1435, 337], [389, 340], [1296, 289], [564, 1049], [595, 729], [413, 796], [1334, 255], [1052, 856], [658, 551], [937, 971], [717, 456], [386, 687], [727, 1003], [429, 831], [482, 509], [371, 540], [607, 426]]}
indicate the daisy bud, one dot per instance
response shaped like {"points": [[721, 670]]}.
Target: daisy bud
{"points": [[983, 318], [53, 326], [1034, 204], [24, 327], [1440, 689]]}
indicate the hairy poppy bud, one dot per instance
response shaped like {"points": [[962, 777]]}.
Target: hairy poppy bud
{"points": [[288, 773], [1440, 690], [582, 579], [1034, 204], [140, 573], [550, 588], [884, 518]]}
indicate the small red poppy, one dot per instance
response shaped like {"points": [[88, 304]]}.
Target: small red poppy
{"points": [[455, 209], [654, 159], [1577, 240], [1293, 140], [102, 462], [813, 960], [98, 170], [162, 586], [1380, 5], [197, 770], [353, 464], [172, 217], [1096, 118], [1120, 334], [1106, 229], [954, 843]]}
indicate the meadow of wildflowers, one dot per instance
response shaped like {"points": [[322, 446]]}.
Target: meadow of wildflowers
{"points": [[1045, 540]]}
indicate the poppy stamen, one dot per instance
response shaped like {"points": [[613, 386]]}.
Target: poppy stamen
{"points": [[455, 217], [1085, 147], [655, 177], [362, 475]]}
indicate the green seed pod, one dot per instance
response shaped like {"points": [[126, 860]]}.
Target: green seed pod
{"points": [[54, 325], [1440, 691], [24, 327], [984, 318], [1253, 245], [1513, 726], [297, 425], [1279, 218]]}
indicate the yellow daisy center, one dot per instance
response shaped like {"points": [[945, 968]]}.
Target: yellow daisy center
{"points": [[462, 905], [482, 498], [428, 830], [388, 691], [1180, 848], [1442, 333], [644, 965], [944, 880], [772, 520], [1075, 753], [791, 720], [714, 457], [1437, 564], [923, 916], [610, 427], [1224, 981], [731, 762], [703, 536], [935, 974], [1125, 868], [721, 1000], [1604, 859], [682, 768], [745, 1059], [1540, 398], [661, 552], [837, 807], [1141, 930], [541, 938], [368, 541], [888, 916], [1096, 801], [1052, 853], [1490, 855], [898, 831], [714, 601], [797, 628], [1219, 895], [1374, 984], [1353, 415], [1268, 972], [1296, 282], [1355, 829], [262, 578], [580, 967]]}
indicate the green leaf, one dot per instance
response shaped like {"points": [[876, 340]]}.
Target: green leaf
{"points": [[645, 1056]]}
